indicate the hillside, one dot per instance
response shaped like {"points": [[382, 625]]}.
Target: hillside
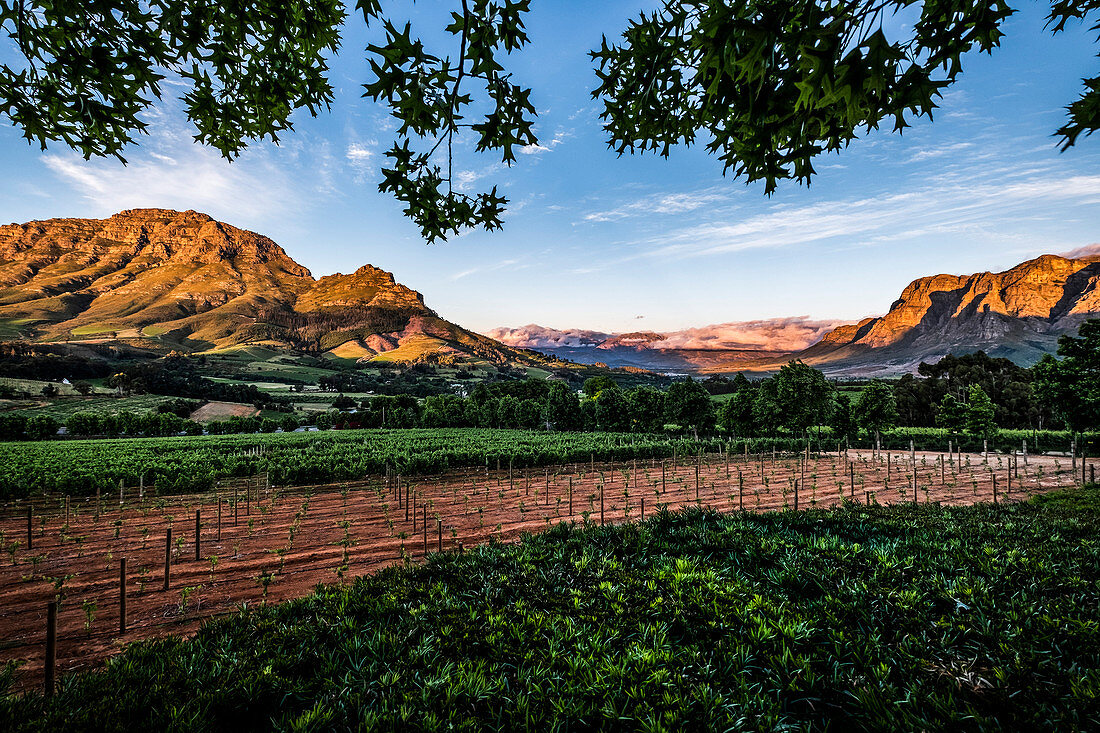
{"points": [[161, 280], [1017, 314]]}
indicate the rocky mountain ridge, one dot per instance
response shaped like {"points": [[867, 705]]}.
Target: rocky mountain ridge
{"points": [[166, 279], [1018, 314]]}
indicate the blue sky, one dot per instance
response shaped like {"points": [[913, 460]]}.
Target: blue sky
{"points": [[600, 242]]}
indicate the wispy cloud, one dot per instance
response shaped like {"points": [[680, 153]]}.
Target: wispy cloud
{"points": [[170, 170], [502, 265], [559, 137], [945, 204], [662, 203]]}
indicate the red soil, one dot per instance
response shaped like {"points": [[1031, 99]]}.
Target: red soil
{"points": [[80, 563]]}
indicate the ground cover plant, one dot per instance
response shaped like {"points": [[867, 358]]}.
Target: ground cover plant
{"points": [[863, 617]]}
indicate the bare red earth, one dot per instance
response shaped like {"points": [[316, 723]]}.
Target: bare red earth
{"points": [[75, 559]]}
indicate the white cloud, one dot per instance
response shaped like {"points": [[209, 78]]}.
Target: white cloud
{"points": [[770, 334], [559, 137], [663, 203], [944, 204], [1089, 250], [170, 170], [361, 157]]}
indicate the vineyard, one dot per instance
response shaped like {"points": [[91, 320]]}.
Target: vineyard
{"points": [[868, 618], [179, 560], [194, 464], [179, 465]]}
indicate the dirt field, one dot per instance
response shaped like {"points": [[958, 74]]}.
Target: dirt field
{"points": [[296, 538], [222, 411]]}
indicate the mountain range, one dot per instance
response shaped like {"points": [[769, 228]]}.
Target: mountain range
{"points": [[1017, 314], [162, 280]]}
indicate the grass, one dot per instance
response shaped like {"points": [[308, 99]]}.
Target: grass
{"points": [[903, 618], [413, 349], [64, 407]]}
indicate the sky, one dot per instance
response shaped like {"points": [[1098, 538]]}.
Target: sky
{"points": [[595, 241]]}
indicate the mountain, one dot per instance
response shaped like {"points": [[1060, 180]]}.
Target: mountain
{"points": [[1017, 314], [735, 346], [163, 279]]}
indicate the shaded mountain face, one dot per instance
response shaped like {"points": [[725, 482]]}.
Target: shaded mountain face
{"points": [[1017, 314], [169, 279]]}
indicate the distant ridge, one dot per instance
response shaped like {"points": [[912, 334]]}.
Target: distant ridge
{"points": [[163, 279], [1016, 314]]}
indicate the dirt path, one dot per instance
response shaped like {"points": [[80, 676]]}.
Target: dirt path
{"points": [[299, 537]]}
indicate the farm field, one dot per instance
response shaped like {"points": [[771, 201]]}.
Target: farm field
{"points": [[262, 543]]}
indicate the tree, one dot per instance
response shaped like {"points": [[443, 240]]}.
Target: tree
{"points": [[803, 397], [737, 415], [562, 410], [841, 419], [646, 408], [1071, 385], [875, 410], [611, 411], [688, 405], [50, 390], [594, 385], [980, 414], [770, 84], [39, 427], [84, 388], [951, 414]]}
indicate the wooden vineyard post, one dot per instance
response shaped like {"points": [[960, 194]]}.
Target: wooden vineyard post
{"points": [[912, 453], [413, 510], [643, 507], [167, 558], [696, 483], [198, 537], [601, 503], [424, 526], [662, 476], [802, 467], [914, 482], [740, 491], [122, 595], [235, 501], [993, 478], [406, 501], [943, 472], [1008, 488], [51, 646], [852, 480], [30, 527], [570, 497], [796, 495], [439, 527], [1025, 453]]}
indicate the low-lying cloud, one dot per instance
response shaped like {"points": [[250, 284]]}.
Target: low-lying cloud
{"points": [[770, 334]]}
